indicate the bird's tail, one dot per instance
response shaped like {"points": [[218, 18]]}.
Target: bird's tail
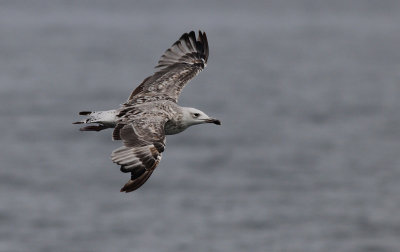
{"points": [[101, 119]]}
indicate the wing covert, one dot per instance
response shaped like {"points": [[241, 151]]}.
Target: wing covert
{"points": [[144, 142], [177, 66]]}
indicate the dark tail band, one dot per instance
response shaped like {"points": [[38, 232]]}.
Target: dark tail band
{"points": [[85, 112], [93, 128]]}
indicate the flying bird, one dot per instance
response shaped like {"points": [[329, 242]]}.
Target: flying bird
{"points": [[151, 111]]}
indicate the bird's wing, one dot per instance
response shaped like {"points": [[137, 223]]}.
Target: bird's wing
{"points": [[144, 141], [178, 65]]}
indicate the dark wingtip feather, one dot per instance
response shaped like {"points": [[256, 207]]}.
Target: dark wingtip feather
{"points": [[196, 48], [204, 41], [192, 34], [183, 37]]}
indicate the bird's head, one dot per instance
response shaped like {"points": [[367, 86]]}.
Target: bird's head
{"points": [[192, 116]]}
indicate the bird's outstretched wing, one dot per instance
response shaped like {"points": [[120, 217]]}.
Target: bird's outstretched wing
{"points": [[178, 65], [144, 141]]}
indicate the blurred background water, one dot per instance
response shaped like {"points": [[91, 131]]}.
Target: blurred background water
{"points": [[307, 157]]}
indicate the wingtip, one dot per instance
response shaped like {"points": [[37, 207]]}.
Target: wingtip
{"points": [[123, 189], [192, 34], [128, 187]]}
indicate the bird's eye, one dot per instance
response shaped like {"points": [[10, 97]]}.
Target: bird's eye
{"points": [[196, 115]]}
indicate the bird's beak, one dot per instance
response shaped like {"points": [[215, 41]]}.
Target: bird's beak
{"points": [[213, 120]]}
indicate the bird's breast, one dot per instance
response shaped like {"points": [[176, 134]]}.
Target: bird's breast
{"points": [[173, 127]]}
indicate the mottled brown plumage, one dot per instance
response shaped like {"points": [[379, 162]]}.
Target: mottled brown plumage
{"points": [[151, 111], [179, 64]]}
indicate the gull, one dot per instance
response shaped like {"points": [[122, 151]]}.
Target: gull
{"points": [[151, 111]]}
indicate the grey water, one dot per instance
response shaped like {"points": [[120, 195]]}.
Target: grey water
{"points": [[307, 157]]}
